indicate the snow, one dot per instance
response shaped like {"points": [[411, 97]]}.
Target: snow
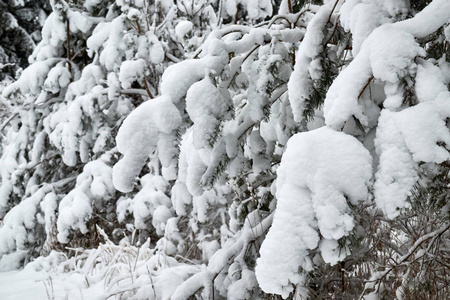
{"points": [[365, 17], [15, 285], [259, 8], [403, 140], [53, 35], [387, 54], [433, 16], [98, 37], [192, 165], [131, 71], [150, 48], [430, 82], [231, 7], [138, 136], [183, 28], [90, 4], [78, 21], [113, 46], [167, 148], [240, 289], [180, 198], [361, 17], [32, 79], [74, 209], [178, 78], [300, 82], [336, 168], [206, 106], [150, 202], [123, 270], [393, 58], [394, 96], [198, 168], [13, 233], [93, 187], [57, 79]]}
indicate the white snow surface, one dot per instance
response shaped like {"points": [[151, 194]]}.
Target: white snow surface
{"points": [[206, 107], [361, 17], [183, 28], [111, 270], [320, 171], [138, 136], [404, 139], [94, 187], [430, 82], [178, 78], [300, 82], [388, 53], [131, 71]]}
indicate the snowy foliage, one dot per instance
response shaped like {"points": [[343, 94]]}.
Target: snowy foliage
{"points": [[19, 32], [216, 149]]}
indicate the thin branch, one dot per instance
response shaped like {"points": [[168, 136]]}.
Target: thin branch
{"points": [[69, 57], [133, 92], [147, 89], [432, 235], [364, 88], [8, 121], [332, 10]]}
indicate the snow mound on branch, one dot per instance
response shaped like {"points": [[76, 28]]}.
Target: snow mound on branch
{"points": [[150, 48], [53, 35], [57, 79], [94, 186], [192, 165], [206, 106], [301, 79], [405, 138], [138, 136], [183, 28], [113, 46], [131, 71], [387, 54], [79, 21], [99, 36], [178, 78], [362, 17], [14, 233], [433, 16], [32, 79], [320, 171], [430, 82], [150, 203]]}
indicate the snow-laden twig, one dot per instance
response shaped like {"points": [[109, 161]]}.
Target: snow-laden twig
{"points": [[378, 276], [221, 259]]}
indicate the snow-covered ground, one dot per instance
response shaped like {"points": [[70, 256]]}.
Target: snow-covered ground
{"points": [[24, 285], [30, 284]]}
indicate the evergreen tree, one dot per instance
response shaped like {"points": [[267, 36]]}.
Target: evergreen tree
{"points": [[222, 151], [19, 31]]}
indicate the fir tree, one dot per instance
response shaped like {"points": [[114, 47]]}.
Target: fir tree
{"points": [[218, 150]]}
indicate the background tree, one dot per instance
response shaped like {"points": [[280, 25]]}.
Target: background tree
{"points": [[231, 152], [20, 29]]}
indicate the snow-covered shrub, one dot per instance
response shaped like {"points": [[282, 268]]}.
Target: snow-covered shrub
{"points": [[253, 156]]}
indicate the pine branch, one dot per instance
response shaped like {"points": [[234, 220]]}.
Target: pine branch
{"points": [[379, 276]]}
